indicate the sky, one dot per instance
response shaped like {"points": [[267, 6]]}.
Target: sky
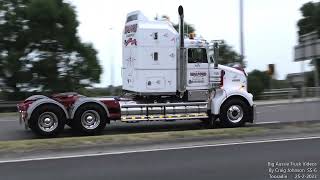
{"points": [[270, 31]]}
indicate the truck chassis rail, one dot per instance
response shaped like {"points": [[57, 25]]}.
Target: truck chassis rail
{"points": [[163, 111]]}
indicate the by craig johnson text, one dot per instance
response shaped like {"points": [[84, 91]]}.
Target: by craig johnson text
{"points": [[293, 170]]}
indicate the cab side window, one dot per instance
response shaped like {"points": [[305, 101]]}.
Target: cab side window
{"points": [[197, 55]]}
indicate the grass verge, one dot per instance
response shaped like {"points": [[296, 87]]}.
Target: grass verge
{"points": [[90, 141], [9, 114], [71, 142]]}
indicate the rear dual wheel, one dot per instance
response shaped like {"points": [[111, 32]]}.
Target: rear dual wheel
{"points": [[47, 120], [89, 119]]}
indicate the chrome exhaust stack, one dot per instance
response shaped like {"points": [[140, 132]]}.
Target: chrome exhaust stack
{"points": [[181, 61]]}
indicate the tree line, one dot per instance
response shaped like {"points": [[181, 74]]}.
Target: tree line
{"points": [[40, 49]]}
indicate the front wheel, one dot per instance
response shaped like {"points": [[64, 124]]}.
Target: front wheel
{"points": [[89, 119], [234, 113]]}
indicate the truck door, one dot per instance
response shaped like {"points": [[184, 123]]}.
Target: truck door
{"points": [[197, 69]]}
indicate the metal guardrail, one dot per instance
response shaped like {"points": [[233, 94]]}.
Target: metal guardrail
{"points": [[8, 104], [288, 93]]}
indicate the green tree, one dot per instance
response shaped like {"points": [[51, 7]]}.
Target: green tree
{"points": [[311, 18], [13, 40], [310, 22], [229, 57], [40, 49], [258, 81]]}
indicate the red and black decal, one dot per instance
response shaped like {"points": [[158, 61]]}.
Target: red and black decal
{"points": [[130, 41]]}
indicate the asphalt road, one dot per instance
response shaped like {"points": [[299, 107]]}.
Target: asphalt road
{"points": [[241, 161], [11, 130]]}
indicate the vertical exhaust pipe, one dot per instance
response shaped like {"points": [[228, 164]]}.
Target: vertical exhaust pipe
{"points": [[181, 61], [181, 26], [216, 54]]}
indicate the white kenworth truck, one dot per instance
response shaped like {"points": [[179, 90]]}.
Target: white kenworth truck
{"points": [[165, 76]]}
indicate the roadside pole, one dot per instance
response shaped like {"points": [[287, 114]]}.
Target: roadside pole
{"points": [[304, 80], [316, 77], [241, 29], [315, 62]]}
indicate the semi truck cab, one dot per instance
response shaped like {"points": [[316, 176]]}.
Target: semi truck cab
{"points": [[166, 76], [157, 60]]}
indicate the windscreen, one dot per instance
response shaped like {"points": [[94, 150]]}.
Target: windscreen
{"points": [[197, 55], [132, 18]]}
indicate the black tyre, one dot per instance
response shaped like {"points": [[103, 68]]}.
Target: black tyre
{"points": [[89, 119], [47, 120], [234, 113]]}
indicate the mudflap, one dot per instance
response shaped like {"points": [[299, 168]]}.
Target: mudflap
{"points": [[253, 114]]}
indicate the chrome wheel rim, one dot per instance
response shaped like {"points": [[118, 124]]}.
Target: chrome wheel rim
{"points": [[235, 113], [48, 121], [90, 119]]}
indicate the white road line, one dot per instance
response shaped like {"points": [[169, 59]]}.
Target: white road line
{"points": [[157, 149], [270, 122], [9, 121], [273, 106]]}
